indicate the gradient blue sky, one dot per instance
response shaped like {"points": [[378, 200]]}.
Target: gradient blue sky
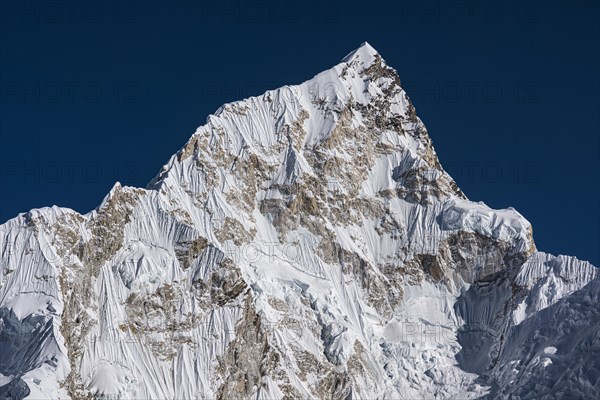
{"points": [[97, 92]]}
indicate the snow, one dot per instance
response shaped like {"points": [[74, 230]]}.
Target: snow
{"points": [[506, 225]]}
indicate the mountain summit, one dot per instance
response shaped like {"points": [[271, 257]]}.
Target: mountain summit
{"points": [[305, 243], [365, 53]]}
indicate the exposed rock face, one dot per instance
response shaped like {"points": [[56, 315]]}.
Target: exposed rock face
{"points": [[305, 243]]}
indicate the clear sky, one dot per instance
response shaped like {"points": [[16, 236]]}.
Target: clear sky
{"points": [[97, 92]]}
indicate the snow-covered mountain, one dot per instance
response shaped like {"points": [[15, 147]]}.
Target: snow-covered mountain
{"points": [[305, 243]]}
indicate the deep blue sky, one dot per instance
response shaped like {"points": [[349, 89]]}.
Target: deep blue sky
{"points": [[97, 92]]}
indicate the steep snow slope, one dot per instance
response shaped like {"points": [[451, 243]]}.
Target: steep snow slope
{"points": [[305, 243]]}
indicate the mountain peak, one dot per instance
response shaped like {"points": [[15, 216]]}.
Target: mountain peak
{"points": [[364, 53], [291, 233]]}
